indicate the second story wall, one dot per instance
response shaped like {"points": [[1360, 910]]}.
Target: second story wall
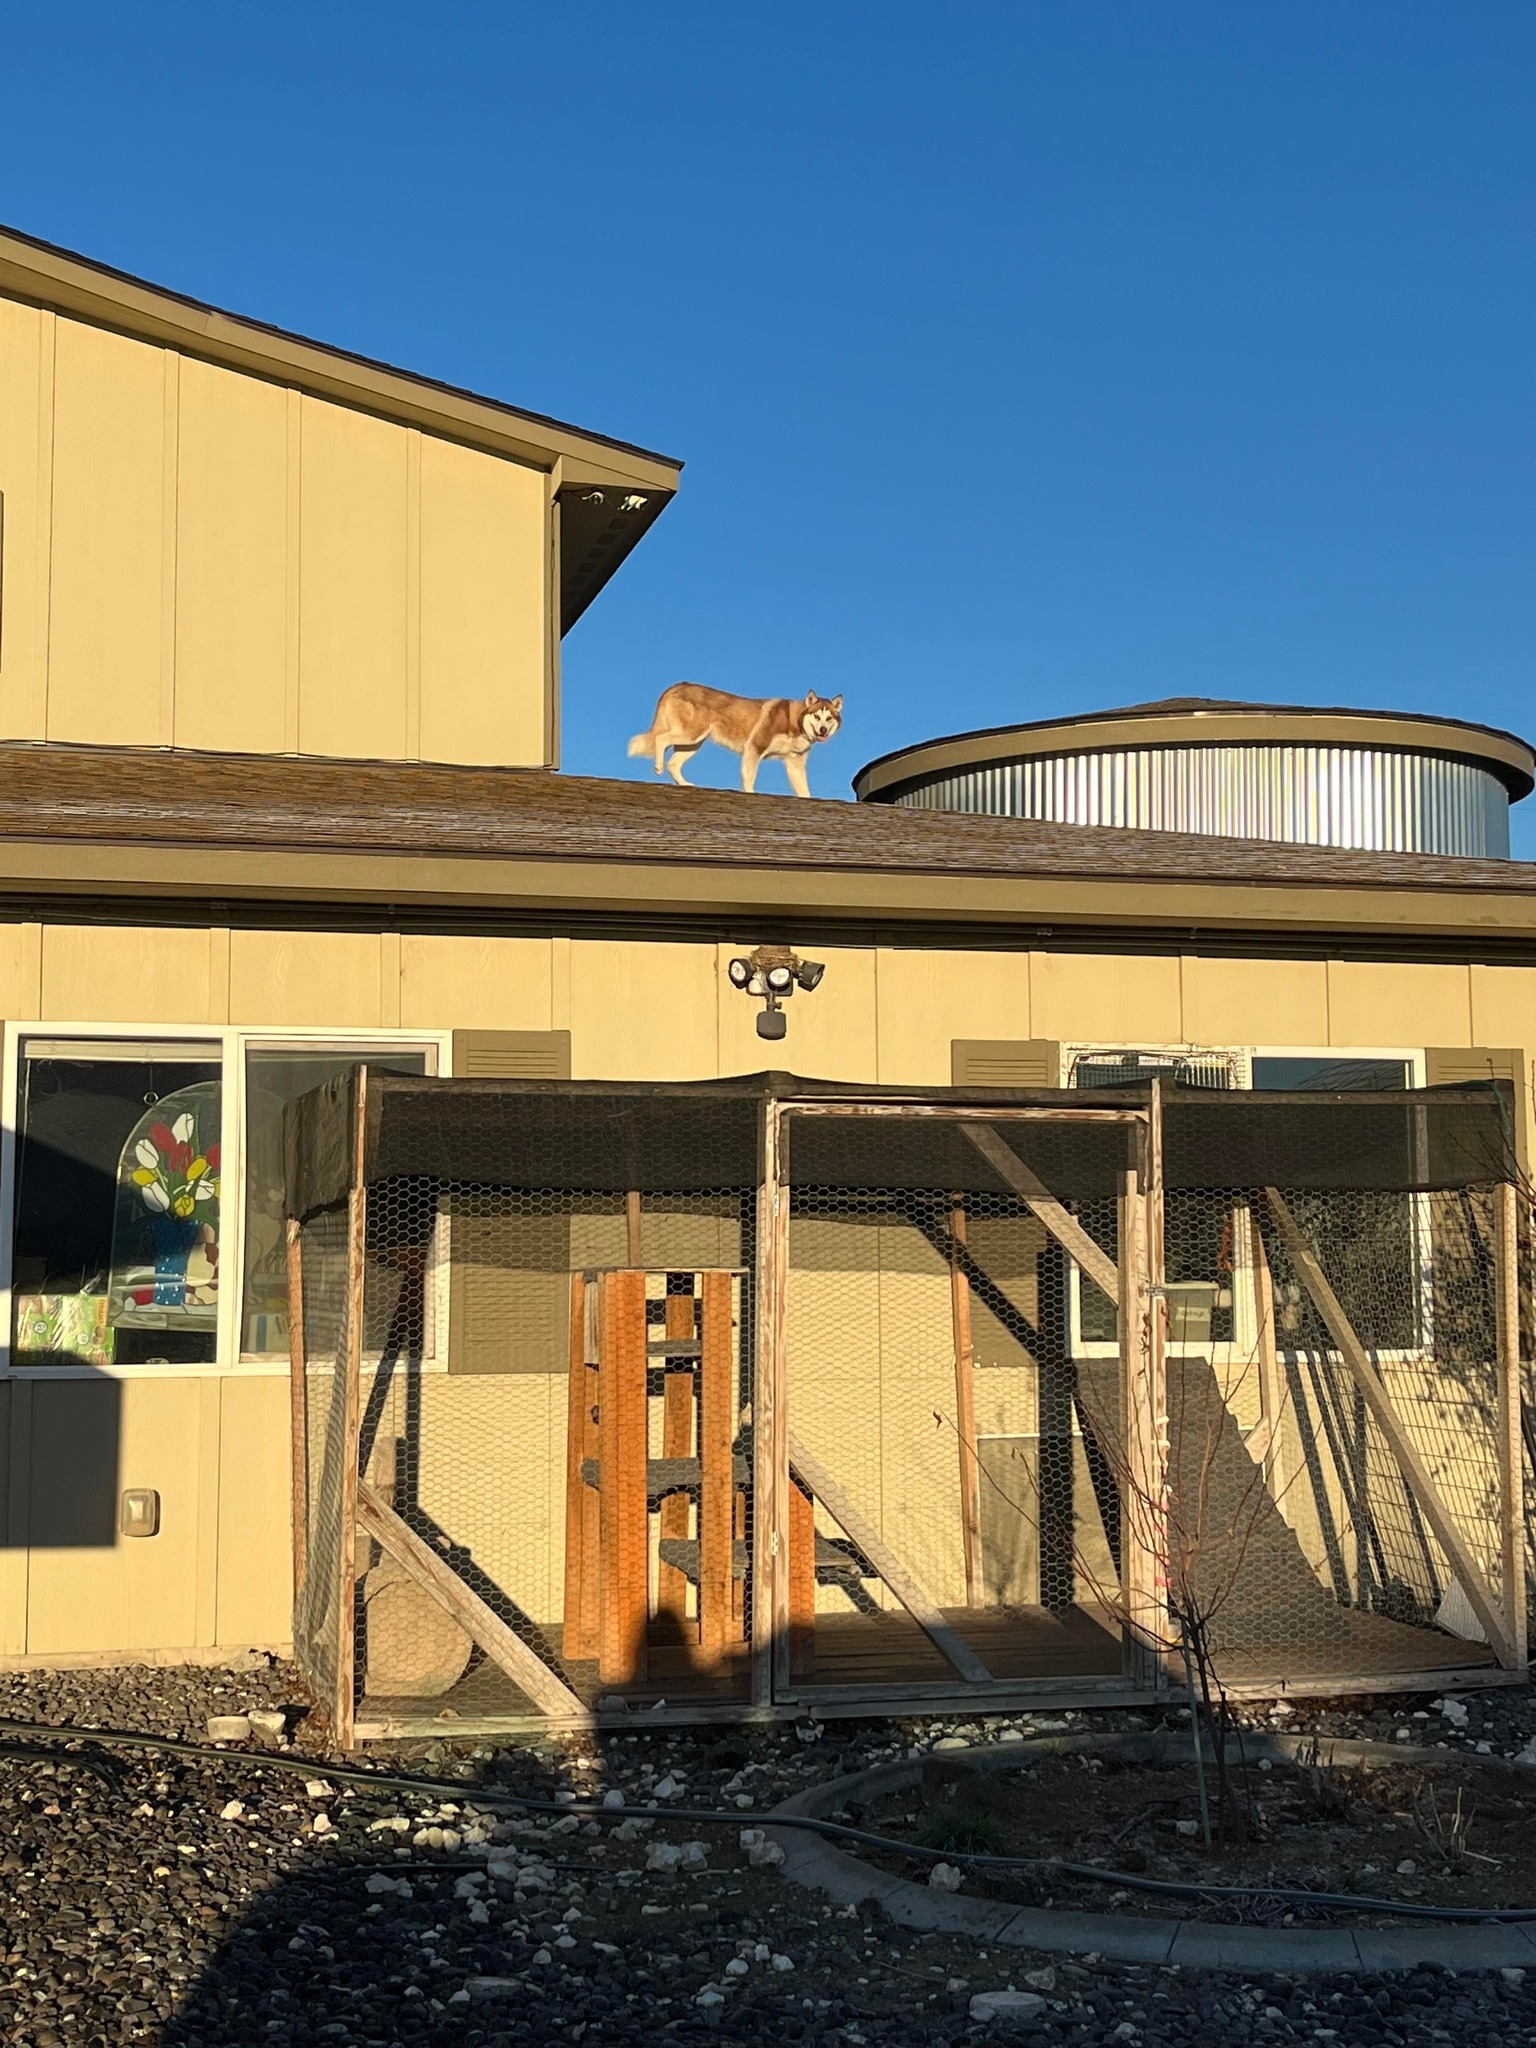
{"points": [[191, 556]]}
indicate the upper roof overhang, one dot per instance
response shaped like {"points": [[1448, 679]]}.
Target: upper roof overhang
{"points": [[587, 466], [1192, 722]]}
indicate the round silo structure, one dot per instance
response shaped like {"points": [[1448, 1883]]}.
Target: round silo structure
{"points": [[1393, 781]]}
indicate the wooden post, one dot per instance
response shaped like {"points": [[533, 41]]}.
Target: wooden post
{"points": [[1143, 1504], [770, 1466], [717, 1483], [802, 1582], [298, 1405], [1270, 1449], [632, 1230], [349, 1364], [965, 1404], [676, 1442], [1511, 1458], [623, 1514], [578, 1639], [1458, 1552]]}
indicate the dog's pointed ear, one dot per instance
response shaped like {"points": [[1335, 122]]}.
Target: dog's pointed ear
{"points": [[811, 700], [837, 703]]}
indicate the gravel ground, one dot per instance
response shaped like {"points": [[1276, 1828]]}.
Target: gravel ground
{"points": [[223, 1902]]}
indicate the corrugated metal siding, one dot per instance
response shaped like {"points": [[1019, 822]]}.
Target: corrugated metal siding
{"points": [[1313, 796]]}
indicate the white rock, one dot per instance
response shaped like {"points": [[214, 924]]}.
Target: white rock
{"points": [[565, 1941], [745, 1800], [1454, 1711], [614, 1798], [1187, 1827], [709, 1998], [951, 1742], [1407, 1868], [233, 1811], [1282, 1710], [1011, 1735], [543, 1955], [765, 1856], [782, 1963], [317, 1788], [1041, 1980], [268, 1724], [480, 1913], [321, 1824], [737, 1967], [1007, 2008], [808, 1731], [229, 1728], [694, 1856], [944, 1877], [459, 1998], [664, 1856], [668, 1787], [632, 1829], [1403, 1735], [1513, 1976]]}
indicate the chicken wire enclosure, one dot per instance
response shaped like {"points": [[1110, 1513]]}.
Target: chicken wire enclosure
{"points": [[1342, 1376], [761, 1393]]}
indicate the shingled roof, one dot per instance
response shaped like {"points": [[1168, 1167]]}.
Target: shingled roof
{"points": [[145, 796]]}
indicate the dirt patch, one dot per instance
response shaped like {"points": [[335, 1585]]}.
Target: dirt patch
{"points": [[1448, 1835]]}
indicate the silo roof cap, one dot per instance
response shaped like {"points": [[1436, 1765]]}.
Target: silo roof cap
{"points": [[1203, 722]]}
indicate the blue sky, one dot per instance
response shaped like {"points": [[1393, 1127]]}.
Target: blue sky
{"points": [[1024, 358]]}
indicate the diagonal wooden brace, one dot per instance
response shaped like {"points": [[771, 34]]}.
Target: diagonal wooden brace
{"points": [[1377, 1399], [814, 1476], [549, 1693], [1058, 1220]]}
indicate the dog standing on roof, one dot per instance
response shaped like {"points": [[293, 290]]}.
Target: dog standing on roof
{"points": [[758, 728]]}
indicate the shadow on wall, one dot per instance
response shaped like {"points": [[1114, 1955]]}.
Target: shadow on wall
{"points": [[60, 1450]]}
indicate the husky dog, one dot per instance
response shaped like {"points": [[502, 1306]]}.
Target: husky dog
{"points": [[758, 728]]}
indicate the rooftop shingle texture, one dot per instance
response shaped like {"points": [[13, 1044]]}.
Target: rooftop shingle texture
{"points": [[173, 797]]}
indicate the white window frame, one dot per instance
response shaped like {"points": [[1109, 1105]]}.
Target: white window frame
{"points": [[230, 1044], [1243, 1343]]}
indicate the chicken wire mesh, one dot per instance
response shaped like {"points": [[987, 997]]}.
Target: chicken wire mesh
{"points": [[553, 1440], [949, 1436], [490, 1344]]}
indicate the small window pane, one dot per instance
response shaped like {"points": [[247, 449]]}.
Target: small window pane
{"points": [[274, 1077], [1324, 1076], [116, 1253]]}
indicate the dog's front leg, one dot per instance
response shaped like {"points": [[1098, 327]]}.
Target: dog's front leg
{"points": [[794, 768]]}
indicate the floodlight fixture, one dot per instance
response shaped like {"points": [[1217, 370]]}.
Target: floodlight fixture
{"points": [[772, 974]]}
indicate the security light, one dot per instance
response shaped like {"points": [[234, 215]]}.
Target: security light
{"points": [[772, 973], [633, 502]]}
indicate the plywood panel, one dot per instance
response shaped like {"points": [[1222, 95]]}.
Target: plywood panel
{"points": [[644, 1012], [110, 542], [928, 999], [1113, 999], [831, 1031], [352, 584], [231, 561], [125, 975], [1398, 1003], [471, 984], [484, 593], [254, 1575], [324, 978], [26, 339], [122, 1594], [1255, 1002]]}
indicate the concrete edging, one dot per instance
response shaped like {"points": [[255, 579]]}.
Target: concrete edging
{"points": [[1124, 1937]]}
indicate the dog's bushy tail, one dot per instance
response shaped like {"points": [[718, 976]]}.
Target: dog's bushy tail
{"points": [[639, 746]]}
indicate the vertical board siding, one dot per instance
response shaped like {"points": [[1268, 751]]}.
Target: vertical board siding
{"points": [[198, 558], [106, 625], [231, 561], [1378, 798]]}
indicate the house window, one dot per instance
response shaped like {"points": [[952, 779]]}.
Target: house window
{"points": [[118, 1212], [276, 1075]]}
